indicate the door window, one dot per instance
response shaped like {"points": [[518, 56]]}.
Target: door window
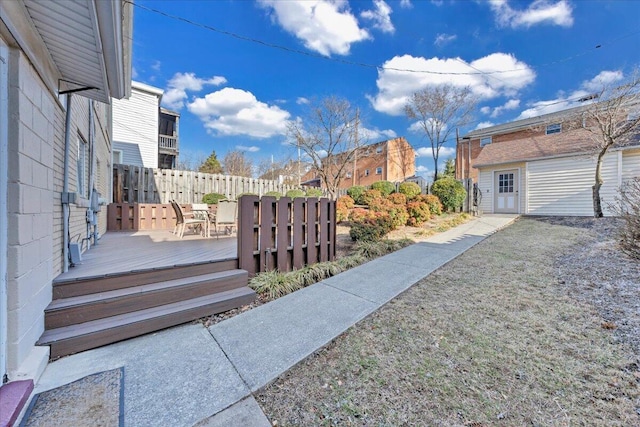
{"points": [[505, 183]]}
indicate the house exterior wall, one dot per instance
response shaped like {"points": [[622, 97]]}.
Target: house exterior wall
{"points": [[135, 127], [35, 243], [630, 164], [486, 184]]}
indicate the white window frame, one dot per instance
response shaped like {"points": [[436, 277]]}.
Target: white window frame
{"points": [[379, 170], [486, 141], [379, 149], [348, 175], [116, 156], [553, 128], [366, 172]]}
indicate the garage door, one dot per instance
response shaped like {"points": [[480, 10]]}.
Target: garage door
{"points": [[563, 186]]}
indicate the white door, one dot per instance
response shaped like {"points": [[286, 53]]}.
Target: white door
{"points": [[4, 108], [505, 191]]}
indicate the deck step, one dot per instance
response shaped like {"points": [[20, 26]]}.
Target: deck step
{"points": [[94, 306], [75, 338], [66, 288]]}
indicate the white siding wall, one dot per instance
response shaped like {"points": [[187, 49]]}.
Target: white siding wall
{"points": [[135, 128], [563, 186], [486, 182], [630, 165]]}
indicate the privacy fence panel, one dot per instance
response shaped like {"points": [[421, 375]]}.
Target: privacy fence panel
{"points": [[135, 184], [285, 234]]}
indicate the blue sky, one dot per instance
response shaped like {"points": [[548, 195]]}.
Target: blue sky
{"points": [[521, 58]]}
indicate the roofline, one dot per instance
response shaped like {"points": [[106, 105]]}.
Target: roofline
{"points": [[147, 88], [557, 156], [520, 124]]}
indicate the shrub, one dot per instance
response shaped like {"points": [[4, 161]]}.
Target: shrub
{"points": [[385, 187], [359, 215], [343, 205], [418, 212], [213, 198], [409, 189], [628, 209], [355, 193], [450, 192], [373, 228], [397, 212], [314, 192], [295, 193], [275, 194], [369, 196], [397, 198], [435, 207]]}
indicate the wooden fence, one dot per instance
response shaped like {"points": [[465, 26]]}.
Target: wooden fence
{"points": [[135, 184], [143, 216], [285, 234]]}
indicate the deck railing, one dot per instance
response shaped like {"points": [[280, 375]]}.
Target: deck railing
{"points": [[168, 142], [285, 234]]}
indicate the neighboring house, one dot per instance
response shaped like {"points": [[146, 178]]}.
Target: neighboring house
{"points": [[144, 134], [60, 65], [391, 160], [542, 166]]}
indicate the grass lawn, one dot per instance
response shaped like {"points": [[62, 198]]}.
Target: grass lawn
{"points": [[496, 337]]}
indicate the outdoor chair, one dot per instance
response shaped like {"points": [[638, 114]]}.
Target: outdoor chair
{"points": [[182, 222], [226, 216]]}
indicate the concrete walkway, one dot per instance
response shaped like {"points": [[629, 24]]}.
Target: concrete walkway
{"points": [[190, 375]]}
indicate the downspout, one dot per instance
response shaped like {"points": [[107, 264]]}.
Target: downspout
{"points": [[90, 212], [65, 188]]}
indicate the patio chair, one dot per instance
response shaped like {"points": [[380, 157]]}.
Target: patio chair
{"points": [[226, 216], [182, 222]]}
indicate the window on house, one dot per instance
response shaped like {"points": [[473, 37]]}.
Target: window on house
{"points": [[554, 128], [379, 149], [82, 168], [349, 175], [379, 170], [117, 157], [485, 141], [366, 172]]}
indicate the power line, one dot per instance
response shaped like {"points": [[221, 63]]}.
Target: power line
{"points": [[366, 65]]}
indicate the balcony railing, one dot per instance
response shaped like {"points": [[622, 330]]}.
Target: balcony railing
{"points": [[168, 142]]}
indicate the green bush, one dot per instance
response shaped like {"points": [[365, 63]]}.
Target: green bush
{"points": [[275, 194], [213, 198], [450, 192], [385, 187], [418, 212], [409, 189], [369, 196], [373, 228], [435, 207], [295, 193], [355, 193], [359, 215], [314, 192], [343, 205]]}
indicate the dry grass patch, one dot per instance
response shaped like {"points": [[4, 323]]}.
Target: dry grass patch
{"points": [[489, 339]]}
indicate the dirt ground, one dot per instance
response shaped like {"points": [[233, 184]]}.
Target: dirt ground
{"points": [[538, 325]]}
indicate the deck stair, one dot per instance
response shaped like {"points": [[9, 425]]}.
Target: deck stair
{"points": [[95, 311]]}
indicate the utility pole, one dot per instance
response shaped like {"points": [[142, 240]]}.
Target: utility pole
{"points": [[355, 156]]}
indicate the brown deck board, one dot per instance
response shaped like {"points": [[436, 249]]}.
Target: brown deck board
{"points": [[119, 252]]}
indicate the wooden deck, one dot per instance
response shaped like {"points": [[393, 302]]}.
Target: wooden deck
{"points": [[121, 252]]}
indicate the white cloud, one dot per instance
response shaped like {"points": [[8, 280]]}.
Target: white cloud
{"points": [[231, 111], [176, 92], [445, 152], [424, 152], [395, 87], [483, 125], [442, 39], [375, 134], [423, 169], [324, 26], [251, 149], [156, 65], [406, 4], [485, 110], [580, 96], [381, 16], [302, 100], [602, 80], [511, 104], [538, 12]]}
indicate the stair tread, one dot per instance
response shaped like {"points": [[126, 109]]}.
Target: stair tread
{"points": [[55, 335], [63, 303]]}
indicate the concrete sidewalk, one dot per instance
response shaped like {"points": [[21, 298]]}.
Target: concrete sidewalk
{"points": [[192, 375]]}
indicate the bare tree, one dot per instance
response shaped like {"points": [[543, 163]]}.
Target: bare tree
{"points": [[329, 138], [274, 169], [612, 121], [439, 110], [236, 163]]}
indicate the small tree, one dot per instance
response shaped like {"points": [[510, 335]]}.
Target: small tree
{"points": [[238, 164], [449, 169], [612, 121], [329, 137], [211, 165], [438, 111]]}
